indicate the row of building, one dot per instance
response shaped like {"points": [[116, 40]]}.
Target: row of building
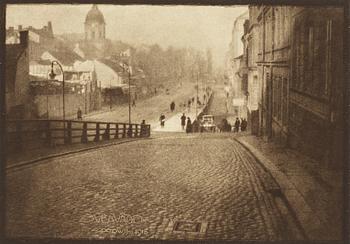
{"points": [[286, 64], [92, 78]]}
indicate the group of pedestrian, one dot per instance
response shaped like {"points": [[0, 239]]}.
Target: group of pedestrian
{"points": [[188, 125], [240, 124]]}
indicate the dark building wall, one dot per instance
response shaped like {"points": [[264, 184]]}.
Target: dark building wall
{"points": [[300, 72], [316, 94], [17, 93], [51, 106]]}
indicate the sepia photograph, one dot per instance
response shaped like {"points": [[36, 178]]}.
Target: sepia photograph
{"points": [[174, 122]]}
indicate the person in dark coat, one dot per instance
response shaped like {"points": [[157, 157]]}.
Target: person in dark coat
{"points": [[172, 106], [162, 120], [143, 131], [237, 124], [188, 125], [195, 126], [183, 121], [79, 114], [244, 124]]}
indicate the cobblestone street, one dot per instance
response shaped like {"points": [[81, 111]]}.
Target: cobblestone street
{"points": [[140, 189]]}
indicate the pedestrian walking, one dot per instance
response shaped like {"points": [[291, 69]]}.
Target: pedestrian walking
{"points": [[237, 124], [162, 120], [183, 121], [188, 125], [143, 131], [172, 106], [133, 103], [225, 126], [195, 126], [244, 125], [79, 114]]}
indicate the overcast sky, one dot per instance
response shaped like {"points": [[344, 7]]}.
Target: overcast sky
{"points": [[180, 26]]}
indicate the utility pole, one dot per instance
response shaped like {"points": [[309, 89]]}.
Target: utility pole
{"points": [[197, 95], [129, 96]]}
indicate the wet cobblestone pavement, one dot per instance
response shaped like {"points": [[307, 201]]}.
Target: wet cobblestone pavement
{"points": [[138, 190]]}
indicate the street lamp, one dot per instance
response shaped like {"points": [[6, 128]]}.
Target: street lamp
{"points": [[52, 76], [129, 78], [197, 95]]}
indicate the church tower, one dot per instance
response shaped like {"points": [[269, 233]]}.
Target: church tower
{"points": [[95, 26]]}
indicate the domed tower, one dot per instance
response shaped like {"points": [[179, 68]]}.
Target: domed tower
{"points": [[95, 25]]}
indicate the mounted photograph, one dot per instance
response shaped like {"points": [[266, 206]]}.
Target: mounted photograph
{"points": [[174, 122]]}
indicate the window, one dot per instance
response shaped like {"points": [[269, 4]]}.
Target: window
{"points": [[309, 58], [285, 101]]}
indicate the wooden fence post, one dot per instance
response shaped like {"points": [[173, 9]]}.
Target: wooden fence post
{"points": [[69, 133], [130, 130], [84, 137], [116, 131], [136, 131], [124, 130], [148, 131], [97, 136], [106, 135]]}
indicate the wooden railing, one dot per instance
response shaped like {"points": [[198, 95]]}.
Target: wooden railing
{"points": [[31, 134]]}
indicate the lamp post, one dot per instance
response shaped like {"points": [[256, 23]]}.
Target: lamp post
{"points": [[129, 93], [197, 95], [52, 76], [129, 96]]}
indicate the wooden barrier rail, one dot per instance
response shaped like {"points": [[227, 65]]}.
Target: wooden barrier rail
{"points": [[31, 134]]}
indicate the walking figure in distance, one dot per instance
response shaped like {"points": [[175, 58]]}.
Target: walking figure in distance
{"points": [[244, 124], [172, 106], [162, 120], [183, 121], [237, 124], [79, 114], [143, 131], [188, 125]]}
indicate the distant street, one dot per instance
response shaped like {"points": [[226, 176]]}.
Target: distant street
{"points": [[204, 178], [149, 109]]}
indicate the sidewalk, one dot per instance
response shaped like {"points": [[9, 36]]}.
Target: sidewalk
{"points": [[314, 192]]}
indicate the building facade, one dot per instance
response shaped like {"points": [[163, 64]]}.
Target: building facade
{"points": [[316, 123], [236, 68], [17, 79], [295, 62]]}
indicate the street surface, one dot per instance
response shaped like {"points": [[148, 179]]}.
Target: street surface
{"points": [[172, 186], [148, 109], [138, 189]]}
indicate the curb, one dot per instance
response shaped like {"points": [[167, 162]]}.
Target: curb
{"points": [[312, 225], [24, 163]]}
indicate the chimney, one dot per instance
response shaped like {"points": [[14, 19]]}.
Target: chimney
{"points": [[23, 37], [20, 28]]}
